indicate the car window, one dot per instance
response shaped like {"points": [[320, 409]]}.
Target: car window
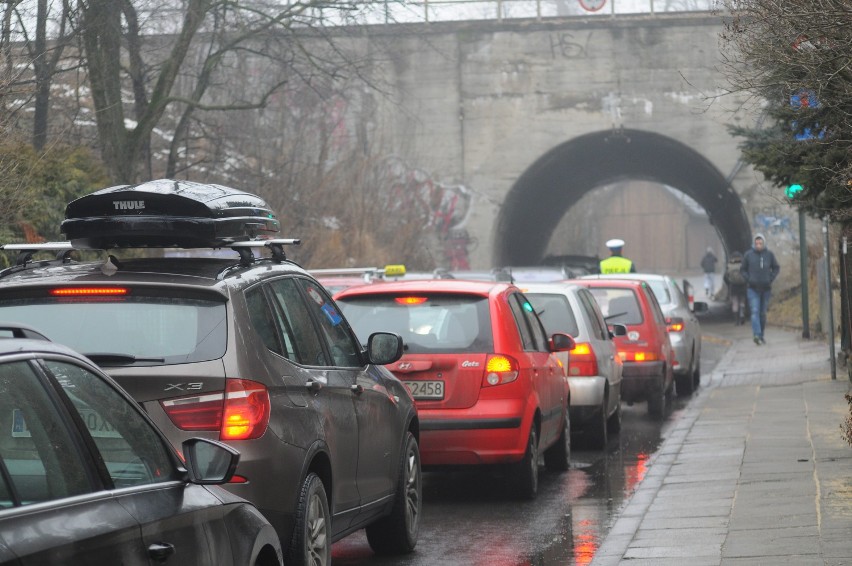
{"points": [[593, 314], [555, 312], [134, 454], [263, 318], [345, 350], [40, 460], [297, 324], [618, 305], [428, 323], [158, 326], [656, 310], [528, 323]]}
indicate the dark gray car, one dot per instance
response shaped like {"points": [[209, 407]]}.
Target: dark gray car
{"points": [[251, 351], [86, 478]]}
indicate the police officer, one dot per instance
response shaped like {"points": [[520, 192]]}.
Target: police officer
{"points": [[616, 263]]}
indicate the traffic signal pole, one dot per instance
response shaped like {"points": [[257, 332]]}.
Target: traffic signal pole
{"points": [[803, 268]]}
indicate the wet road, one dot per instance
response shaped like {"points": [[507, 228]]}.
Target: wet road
{"points": [[472, 518]]}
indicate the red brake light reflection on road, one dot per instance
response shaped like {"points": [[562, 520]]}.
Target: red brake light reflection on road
{"points": [[411, 300], [83, 291]]}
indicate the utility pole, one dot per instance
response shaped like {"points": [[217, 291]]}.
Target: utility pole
{"points": [[827, 250], [803, 268]]}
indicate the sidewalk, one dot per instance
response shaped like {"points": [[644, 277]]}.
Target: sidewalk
{"points": [[754, 472]]}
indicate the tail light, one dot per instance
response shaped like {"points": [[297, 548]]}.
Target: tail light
{"points": [[241, 412], [674, 324], [583, 361], [638, 356], [499, 370]]}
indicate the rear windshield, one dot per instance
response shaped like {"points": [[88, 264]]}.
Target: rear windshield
{"points": [[619, 306], [427, 323], [555, 313], [661, 291], [133, 330]]}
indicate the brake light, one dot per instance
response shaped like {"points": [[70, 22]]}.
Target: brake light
{"points": [[411, 300], [246, 410], [499, 370], [674, 324], [239, 413], [583, 361], [638, 356], [88, 291]]}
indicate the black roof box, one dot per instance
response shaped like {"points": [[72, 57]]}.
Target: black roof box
{"points": [[167, 213]]}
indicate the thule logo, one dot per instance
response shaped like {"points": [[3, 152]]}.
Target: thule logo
{"points": [[128, 204]]}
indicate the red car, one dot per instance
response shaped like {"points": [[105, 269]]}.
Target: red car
{"points": [[646, 349], [481, 369]]}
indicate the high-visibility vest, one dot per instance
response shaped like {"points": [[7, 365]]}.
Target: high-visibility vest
{"points": [[616, 264]]}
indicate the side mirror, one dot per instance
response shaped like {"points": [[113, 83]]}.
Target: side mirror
{"points": [[561, 342], [384, 348], [617, 330], [209, 461], [700, 307]]}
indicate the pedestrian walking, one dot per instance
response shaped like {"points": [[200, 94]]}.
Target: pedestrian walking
{"points": [[616, 263], [759, 269], [736, 287], [708, 264]]}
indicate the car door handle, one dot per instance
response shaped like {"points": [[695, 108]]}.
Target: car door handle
{"points": [[314, 385], [357, 389], [160, 551]]}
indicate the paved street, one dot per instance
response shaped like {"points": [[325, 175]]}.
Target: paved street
{"points": [[755, 471]]}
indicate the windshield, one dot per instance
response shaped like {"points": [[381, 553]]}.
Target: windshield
{"points": [[427, 323], [619, 306], [156, 330], [555, 313]]}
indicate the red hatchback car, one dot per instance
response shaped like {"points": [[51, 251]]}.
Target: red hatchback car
{"points": [[646, 349], [481, 369]]}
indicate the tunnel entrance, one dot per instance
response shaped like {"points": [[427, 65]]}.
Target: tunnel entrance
{"points": [[559, 179]]}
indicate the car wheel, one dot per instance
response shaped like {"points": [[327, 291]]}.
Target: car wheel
{"points": [[696, 376], [614, 421], [684, 384], [526, 474], [557, 458], [657, 400], [397, 533], [597, 429], [311, 545]]}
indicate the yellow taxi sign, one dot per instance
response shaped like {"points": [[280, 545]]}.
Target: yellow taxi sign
{"points": [[394, 270]]}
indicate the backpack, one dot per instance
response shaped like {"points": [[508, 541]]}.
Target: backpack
{"points": [[733, 275]]}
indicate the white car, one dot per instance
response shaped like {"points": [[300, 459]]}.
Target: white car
{"points": [[593, 366], [683, 326]]}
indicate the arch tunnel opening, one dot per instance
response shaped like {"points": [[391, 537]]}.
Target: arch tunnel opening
{"points": [[560, 178]]}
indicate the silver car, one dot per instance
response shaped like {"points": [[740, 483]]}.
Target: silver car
{"points": [[683, 326], [593, 366]]}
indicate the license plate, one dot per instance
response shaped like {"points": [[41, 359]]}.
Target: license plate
{"points": [[96, 425], [426, 389]]}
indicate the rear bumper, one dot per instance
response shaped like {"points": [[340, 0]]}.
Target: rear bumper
{"points": [[490, 432], [641, 377], [587, 395]]}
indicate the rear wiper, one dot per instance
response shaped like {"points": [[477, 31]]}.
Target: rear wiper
{"points": [[108, 358], [616, 315]]}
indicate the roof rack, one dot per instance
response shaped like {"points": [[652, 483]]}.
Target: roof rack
{"points": [[63, 249]]}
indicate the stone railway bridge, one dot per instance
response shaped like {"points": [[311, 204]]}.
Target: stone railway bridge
{"points": [[527, 116]]}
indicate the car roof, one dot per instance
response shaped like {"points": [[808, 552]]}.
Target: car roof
{"points": [[548, 287], [194, 272], [483, 288], [638, 276], [611, 282], [12, 346]]}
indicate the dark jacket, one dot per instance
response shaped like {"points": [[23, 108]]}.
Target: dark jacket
{"points": [[760, 268], [708, 262]]}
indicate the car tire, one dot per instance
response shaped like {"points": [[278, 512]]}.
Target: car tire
{"points": [[557, 458], [614, 421], [526, 471], [397, 533], [684, 384], [311, 542], [696, 375], [657, 399], [597, 431]]}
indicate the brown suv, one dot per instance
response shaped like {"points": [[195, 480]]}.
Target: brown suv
{"points": [[250, 350]]}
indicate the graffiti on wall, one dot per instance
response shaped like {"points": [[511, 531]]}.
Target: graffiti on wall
{"points": [[774, 220], [444, 207]]}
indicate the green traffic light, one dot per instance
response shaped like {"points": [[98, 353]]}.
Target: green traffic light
{"points": [[792, 190]]}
